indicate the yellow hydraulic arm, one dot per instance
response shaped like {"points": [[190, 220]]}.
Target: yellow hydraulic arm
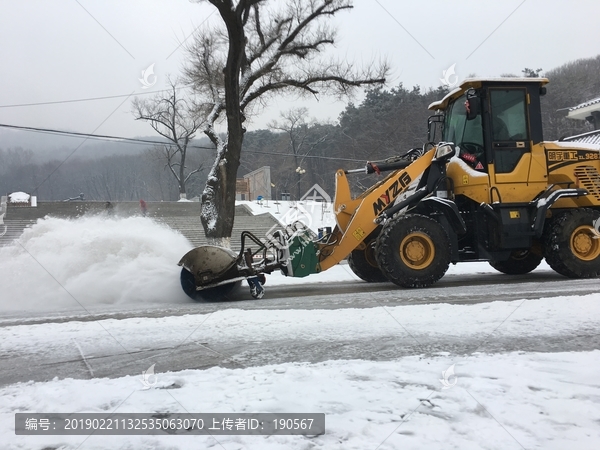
{"points": [[356, 217]]}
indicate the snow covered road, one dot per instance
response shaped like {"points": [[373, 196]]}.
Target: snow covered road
{"points": [[499, 399], [241, 338], [335, 289]]}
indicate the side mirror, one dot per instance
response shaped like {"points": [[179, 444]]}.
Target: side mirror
{"points": [[432, 127], [473, 104]]}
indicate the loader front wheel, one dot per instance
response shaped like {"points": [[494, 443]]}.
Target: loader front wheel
{"points": [[520, 262], [572, 244], [413, 251], [364, 264], [217, 293]]}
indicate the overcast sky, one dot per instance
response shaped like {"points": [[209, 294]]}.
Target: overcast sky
{"points": [[55, 50]]}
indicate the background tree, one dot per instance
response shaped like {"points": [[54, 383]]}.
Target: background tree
{"points": [[302, 139], [570, 84], [260, 50], [530, 73], [385, 123], [177, 120]]}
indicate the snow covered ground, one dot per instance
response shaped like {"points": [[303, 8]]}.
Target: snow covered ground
{"points": [[499, 400], [314, 214], [505, 401]]}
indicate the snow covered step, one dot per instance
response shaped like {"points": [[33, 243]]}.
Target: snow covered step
{"points": [[192, 229], [14, 229], [181, 216]]}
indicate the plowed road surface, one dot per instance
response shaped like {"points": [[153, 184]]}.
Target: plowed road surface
{"points": [[42, 347]]}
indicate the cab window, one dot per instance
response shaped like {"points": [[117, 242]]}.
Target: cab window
{"points": [[509, 127], [509, 119], [466, 134], [458, 129]]}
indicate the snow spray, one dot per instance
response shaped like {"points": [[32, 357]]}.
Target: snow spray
{"points": [[62, 264]]}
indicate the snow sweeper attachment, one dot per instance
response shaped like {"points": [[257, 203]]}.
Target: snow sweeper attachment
{"points": [[210, 272]]}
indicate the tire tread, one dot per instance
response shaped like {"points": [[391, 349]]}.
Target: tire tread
{"points": [[395, 270], [557, 246]]}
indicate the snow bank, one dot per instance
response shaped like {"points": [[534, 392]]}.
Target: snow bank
{"points": [[505, 401], [91, 260]]}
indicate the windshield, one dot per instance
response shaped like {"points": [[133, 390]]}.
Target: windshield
{"points": [[458, 129]]}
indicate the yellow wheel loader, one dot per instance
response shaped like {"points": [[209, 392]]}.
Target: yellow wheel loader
{"points": [[491, 189]]}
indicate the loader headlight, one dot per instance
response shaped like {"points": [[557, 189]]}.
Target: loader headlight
{"points": [[445, 150]]}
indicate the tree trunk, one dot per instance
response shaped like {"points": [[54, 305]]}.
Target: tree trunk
{"points": [[218, 198], [181, 180]]}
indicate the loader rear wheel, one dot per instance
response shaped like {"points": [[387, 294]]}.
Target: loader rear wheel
{"points": [[413, 251], [213, 294], [572, 245], [520, 262], [364, 264]]}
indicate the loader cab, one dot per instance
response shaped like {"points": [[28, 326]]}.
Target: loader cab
{"points": [[499, 122]]}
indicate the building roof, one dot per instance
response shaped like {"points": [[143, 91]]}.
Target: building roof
{"points": [[584, 110], [592, 137]]}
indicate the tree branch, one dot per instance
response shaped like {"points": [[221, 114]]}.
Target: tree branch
{"points": [[306, 84]]}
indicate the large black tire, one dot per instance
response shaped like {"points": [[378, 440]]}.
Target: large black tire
{"points": [[364, 264], [218, 293], [413, 251], [520, 262], [571, 245]]}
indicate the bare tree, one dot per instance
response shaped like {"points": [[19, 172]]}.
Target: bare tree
{"points": [[177, 120], [301, 140], [260, 50], [530, 73]]}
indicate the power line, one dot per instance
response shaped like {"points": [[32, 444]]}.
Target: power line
{"points": [[143, 141], [90, 135], [305, 156], [87, 99], [77, 148]]}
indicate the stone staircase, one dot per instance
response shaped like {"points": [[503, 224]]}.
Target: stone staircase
{"points": [[14, 229], [192, 229], [181, 216]]}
